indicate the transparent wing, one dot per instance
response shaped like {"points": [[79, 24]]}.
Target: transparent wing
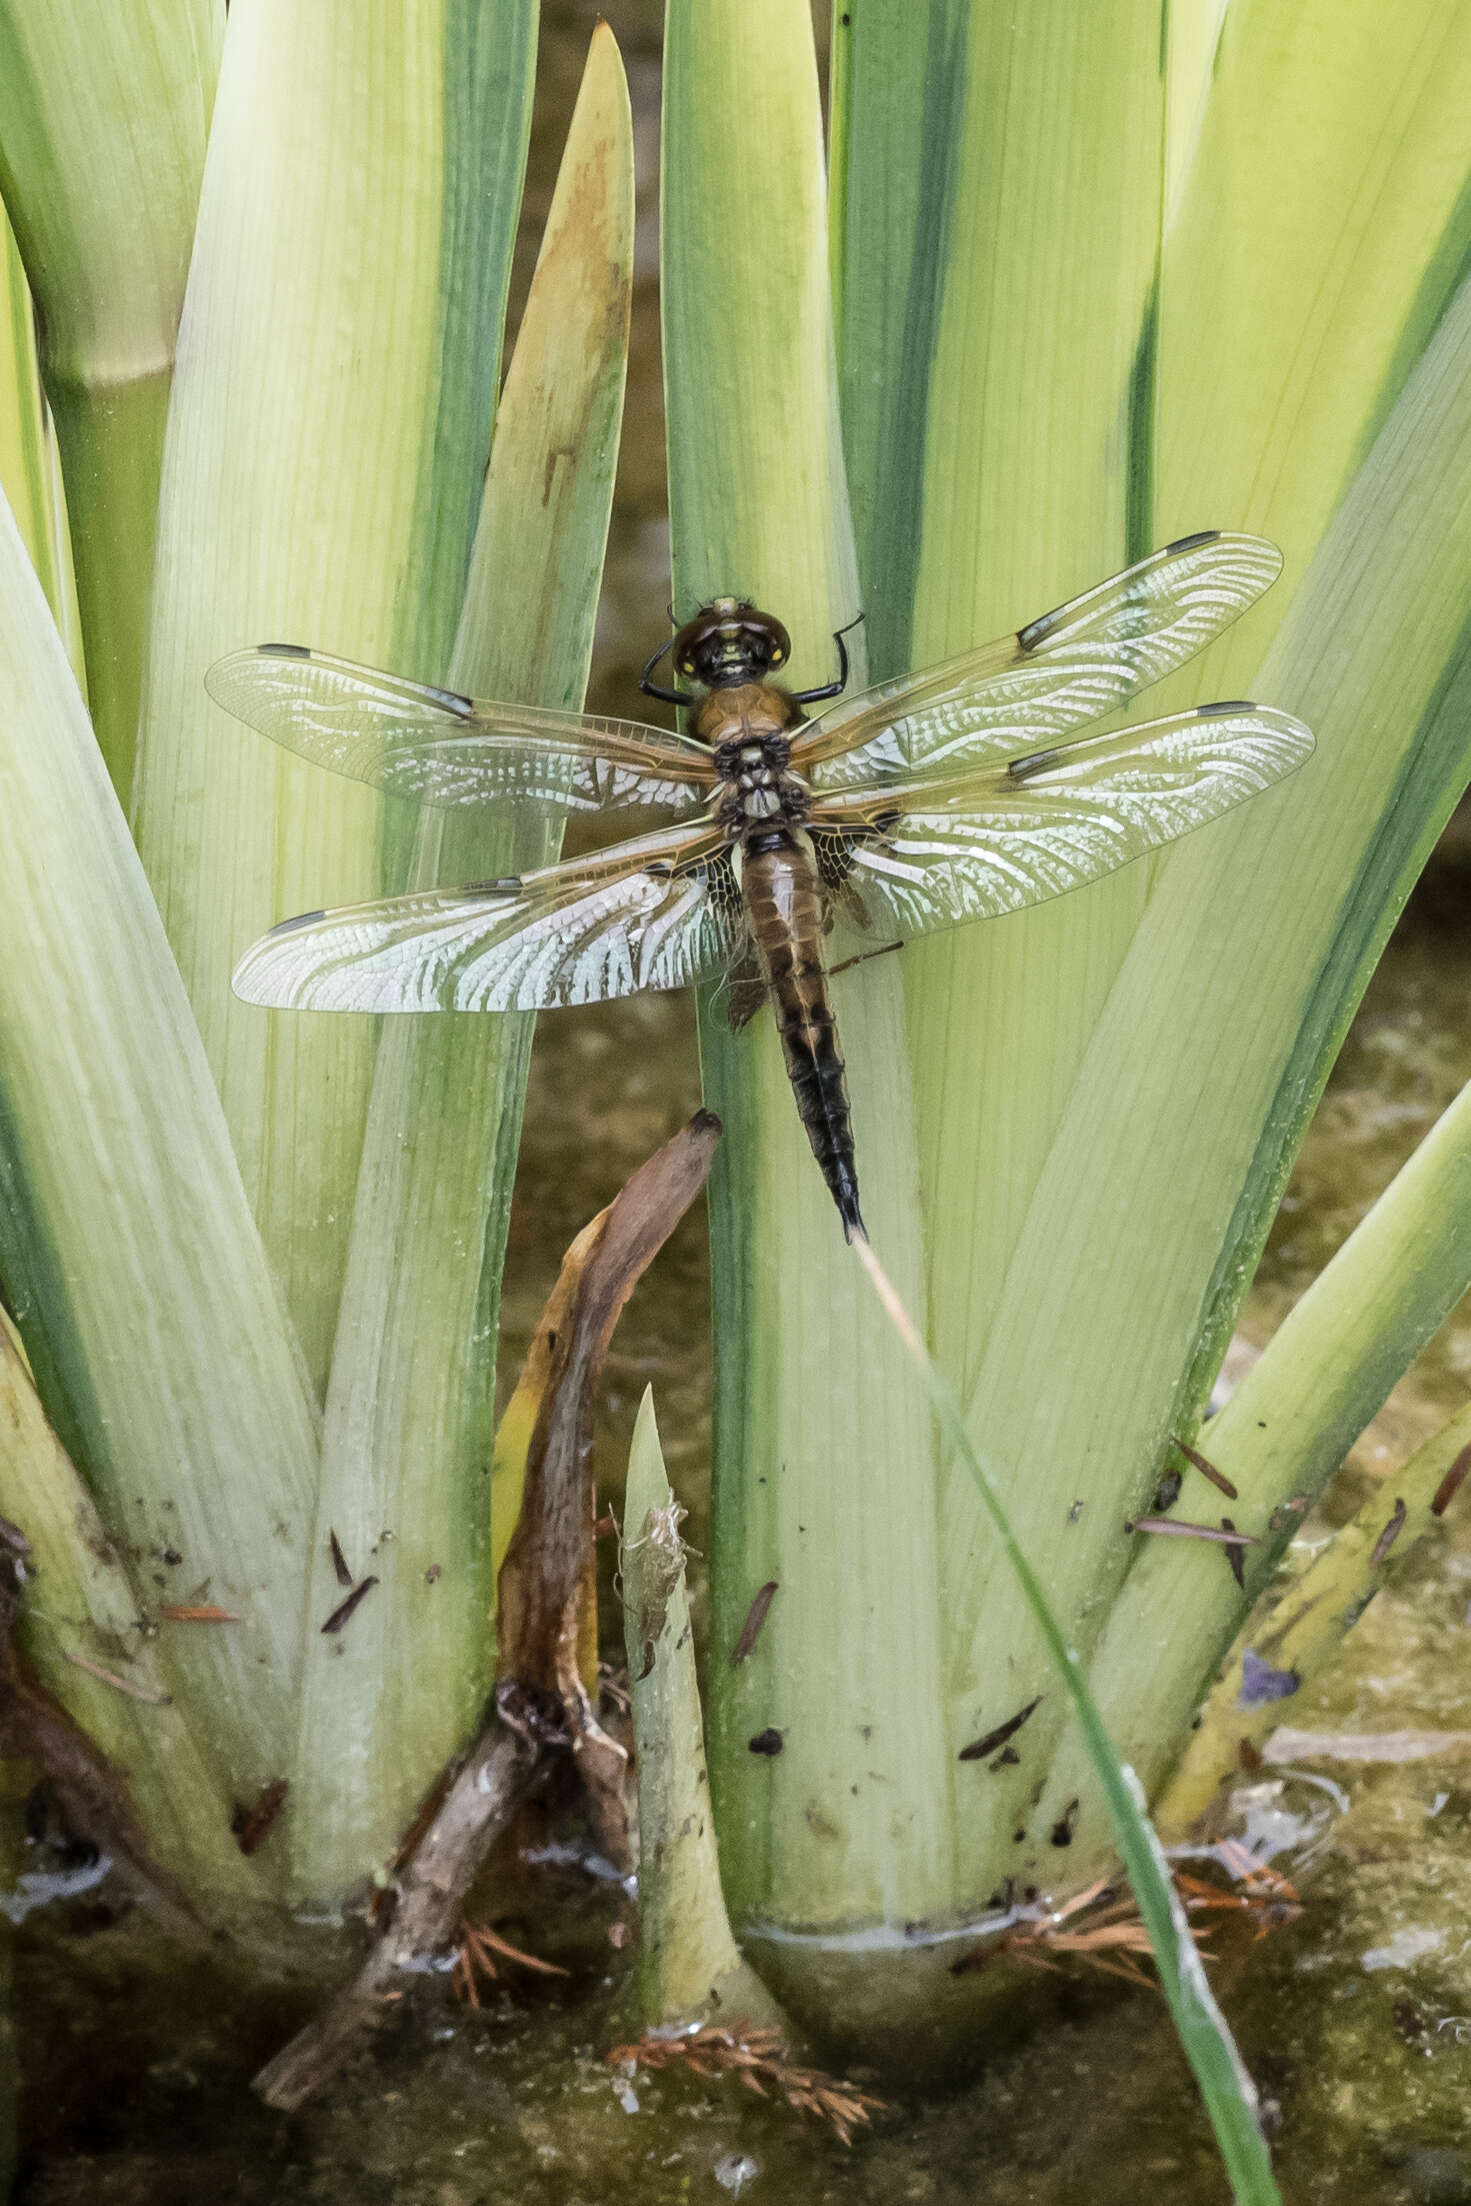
{"points": [[659, 912], [920, 858], [1059, 672], [437, 747]]}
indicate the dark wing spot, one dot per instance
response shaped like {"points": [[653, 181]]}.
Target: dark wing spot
{"points": [[511, 886], [1224, 709], [1193, 543], [453, 701], [1022, 769], [283, 650], [1038, 630], [302, 919]]}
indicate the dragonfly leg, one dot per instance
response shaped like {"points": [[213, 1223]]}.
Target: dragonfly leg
{"points": [[651, 688], [862, 957], [831, 689]]}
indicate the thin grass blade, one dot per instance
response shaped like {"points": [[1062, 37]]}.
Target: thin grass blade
{"points": [[1226, 2088]]}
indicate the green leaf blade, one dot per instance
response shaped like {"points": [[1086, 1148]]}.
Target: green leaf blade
{"points": [[126, 1245], [328, 431], [817, 1474], [411, 1400], [106, 237]]}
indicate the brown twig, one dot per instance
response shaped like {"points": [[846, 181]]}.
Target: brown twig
{"points": [[542, 1710], [476, 1809]]}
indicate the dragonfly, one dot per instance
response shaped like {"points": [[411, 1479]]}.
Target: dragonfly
{"points": [[960, 793]]}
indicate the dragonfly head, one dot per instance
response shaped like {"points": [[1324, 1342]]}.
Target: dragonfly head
{"points": [[728, 641]]}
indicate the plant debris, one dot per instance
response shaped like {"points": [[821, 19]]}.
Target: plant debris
{"points": [[120, 1684], [1206, 1468], [1287, 1745], [252, 1825], [90, 1793], [751, 1629], [657, 1583], [764, 2065], [542, 1711], [1177, 1528], [345, 1608], [1101, 1926], [1390, 1533], [1261, 1683], [1445, 1492], [479, 1946], [980, 1748]]}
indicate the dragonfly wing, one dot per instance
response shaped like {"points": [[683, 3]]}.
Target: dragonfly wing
{"points": [[1069, 667], [436, 747], [661, 913], [994, 842]]}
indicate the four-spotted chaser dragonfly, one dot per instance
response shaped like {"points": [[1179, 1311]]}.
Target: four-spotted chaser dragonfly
{"points": [[954, 794]]}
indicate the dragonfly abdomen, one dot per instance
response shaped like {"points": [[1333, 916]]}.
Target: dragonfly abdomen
{"points": [[784, 906]]}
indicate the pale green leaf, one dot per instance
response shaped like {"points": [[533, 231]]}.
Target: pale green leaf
{"points": [[408, 1435], [328, 431], [126, 1244], [87, 1635], [690, 1968], [103, 120], [821, 1479]]}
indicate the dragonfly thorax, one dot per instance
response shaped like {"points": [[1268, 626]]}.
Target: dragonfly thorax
{"points": [[753, 759]]}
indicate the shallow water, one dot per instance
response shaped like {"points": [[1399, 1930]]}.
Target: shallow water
{"points": [[1355, 2019]]}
